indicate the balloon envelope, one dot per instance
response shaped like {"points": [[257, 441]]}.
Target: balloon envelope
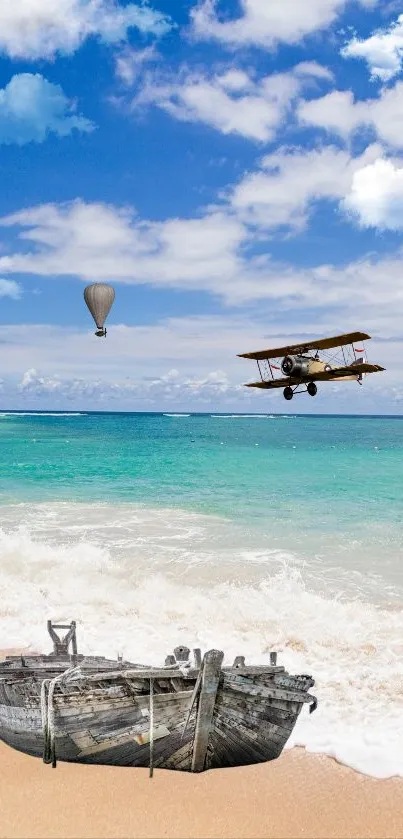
{"points": [[99, 298]]}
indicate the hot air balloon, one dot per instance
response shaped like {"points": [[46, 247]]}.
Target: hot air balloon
{"points": [[99, 298]]}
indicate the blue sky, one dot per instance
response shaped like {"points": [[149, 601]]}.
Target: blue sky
{"points": [[234, 169]]}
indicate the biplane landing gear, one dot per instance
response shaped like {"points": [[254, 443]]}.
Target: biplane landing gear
{"points": [[288, 393], [312, 389]]}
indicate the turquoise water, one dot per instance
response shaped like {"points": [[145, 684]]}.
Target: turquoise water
{"points": [[324, 468], [247, 533], [292, 477]]}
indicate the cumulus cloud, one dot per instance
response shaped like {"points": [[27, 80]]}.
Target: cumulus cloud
{"points": [[9, 288], [265, 24], [32, 29], [171, 387], [339, 113], [288, 183], [231, 101], [31, 108], [376, 196], [383, 51]]}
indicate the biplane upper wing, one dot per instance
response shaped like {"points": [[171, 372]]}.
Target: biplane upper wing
{"points": [[356, 369], [322, 344]]}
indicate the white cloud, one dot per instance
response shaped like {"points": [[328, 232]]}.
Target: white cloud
{"points": [[383, 51], [232, 101], [192, 345], [169, 388], [338, 113], [96, 240], [376, 196], [35, 29], [130, 62], [31, 108], [265, 23], [9, 288], [291, 180], [314, 70], [190, 360]]}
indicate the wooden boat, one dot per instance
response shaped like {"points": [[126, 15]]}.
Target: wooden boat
{"points": [[192, 714]]}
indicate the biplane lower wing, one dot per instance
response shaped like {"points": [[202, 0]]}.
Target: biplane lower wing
{"points": [[274, 383], [353, 372]]}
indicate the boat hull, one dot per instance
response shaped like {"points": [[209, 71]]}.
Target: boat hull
{"points": [[115, 719]]}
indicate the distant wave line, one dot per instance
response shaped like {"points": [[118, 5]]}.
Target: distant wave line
{"points": [[42, 414], [252, 416]]}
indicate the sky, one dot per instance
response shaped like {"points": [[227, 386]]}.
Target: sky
{"points": [[234, 168]]}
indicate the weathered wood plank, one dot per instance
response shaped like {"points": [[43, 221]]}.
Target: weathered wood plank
{"points": [[256, 709], [84, 706], [259, 724], [150, 673], [208, 691], [229, 752], [253, 732], [245, 750], [180, 757], [243, 686], [254, 670]]}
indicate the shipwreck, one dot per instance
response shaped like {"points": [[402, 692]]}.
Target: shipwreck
{"points": [[192, 714]]}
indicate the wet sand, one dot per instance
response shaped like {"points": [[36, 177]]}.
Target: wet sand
{"points": [[297, 795]]}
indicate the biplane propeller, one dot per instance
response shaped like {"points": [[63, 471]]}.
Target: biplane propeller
{"points": [[302, 366]]}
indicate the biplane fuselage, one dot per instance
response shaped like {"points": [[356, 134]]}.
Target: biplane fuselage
{"points": [[302, 366]]}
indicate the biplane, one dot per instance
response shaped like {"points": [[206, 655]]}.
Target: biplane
{"points": [[302, 366]]}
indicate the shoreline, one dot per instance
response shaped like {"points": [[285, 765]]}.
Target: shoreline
{"points": [[297, 795]]}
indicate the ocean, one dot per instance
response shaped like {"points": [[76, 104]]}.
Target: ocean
{"points": [[244, 533]]}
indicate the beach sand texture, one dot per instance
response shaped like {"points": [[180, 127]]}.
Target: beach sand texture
{"points": [[299, 794]]}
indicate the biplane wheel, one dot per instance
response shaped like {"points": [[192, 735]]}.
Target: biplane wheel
{"points": [[312, 389], [288, 393]]}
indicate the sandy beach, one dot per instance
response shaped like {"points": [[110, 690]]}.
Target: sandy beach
{"points": [[299, 794]]}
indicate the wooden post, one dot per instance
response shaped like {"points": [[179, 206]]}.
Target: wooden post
{"points": [[73, 636], [209, 685], [61, 645], [181, 653], [170, 659]]}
